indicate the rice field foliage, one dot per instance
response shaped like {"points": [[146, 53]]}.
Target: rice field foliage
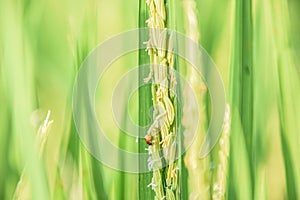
{"points": [[255, 45]]}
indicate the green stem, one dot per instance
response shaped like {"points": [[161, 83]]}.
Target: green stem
{"points": [[241, 92], [145, 104]]}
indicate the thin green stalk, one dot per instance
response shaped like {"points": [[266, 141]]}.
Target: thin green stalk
{"points": [[198, 169], [242, 67], [145, 104], [241, 101], [288, 103], [247, 70], [161, 134], [246, 77], [220, 186], [175, 23], [265, 81]]}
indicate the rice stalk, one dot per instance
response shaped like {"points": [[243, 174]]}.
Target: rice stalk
{"points": [[198, 169], [220, 186], [161, 134]]}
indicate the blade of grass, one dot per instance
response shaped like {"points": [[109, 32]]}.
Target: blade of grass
{"points": [[239, 162], [242, 69], [145, 104], [241, 100], [20, 83], [289, 98], [265, 130]]}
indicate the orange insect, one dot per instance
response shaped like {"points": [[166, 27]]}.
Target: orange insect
{"points": [[148, 139]]}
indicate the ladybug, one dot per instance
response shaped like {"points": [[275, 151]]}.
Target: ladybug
{"points": [[148, 139]]}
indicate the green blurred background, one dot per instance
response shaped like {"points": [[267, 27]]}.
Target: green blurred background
{"points": [[42, 45]]}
